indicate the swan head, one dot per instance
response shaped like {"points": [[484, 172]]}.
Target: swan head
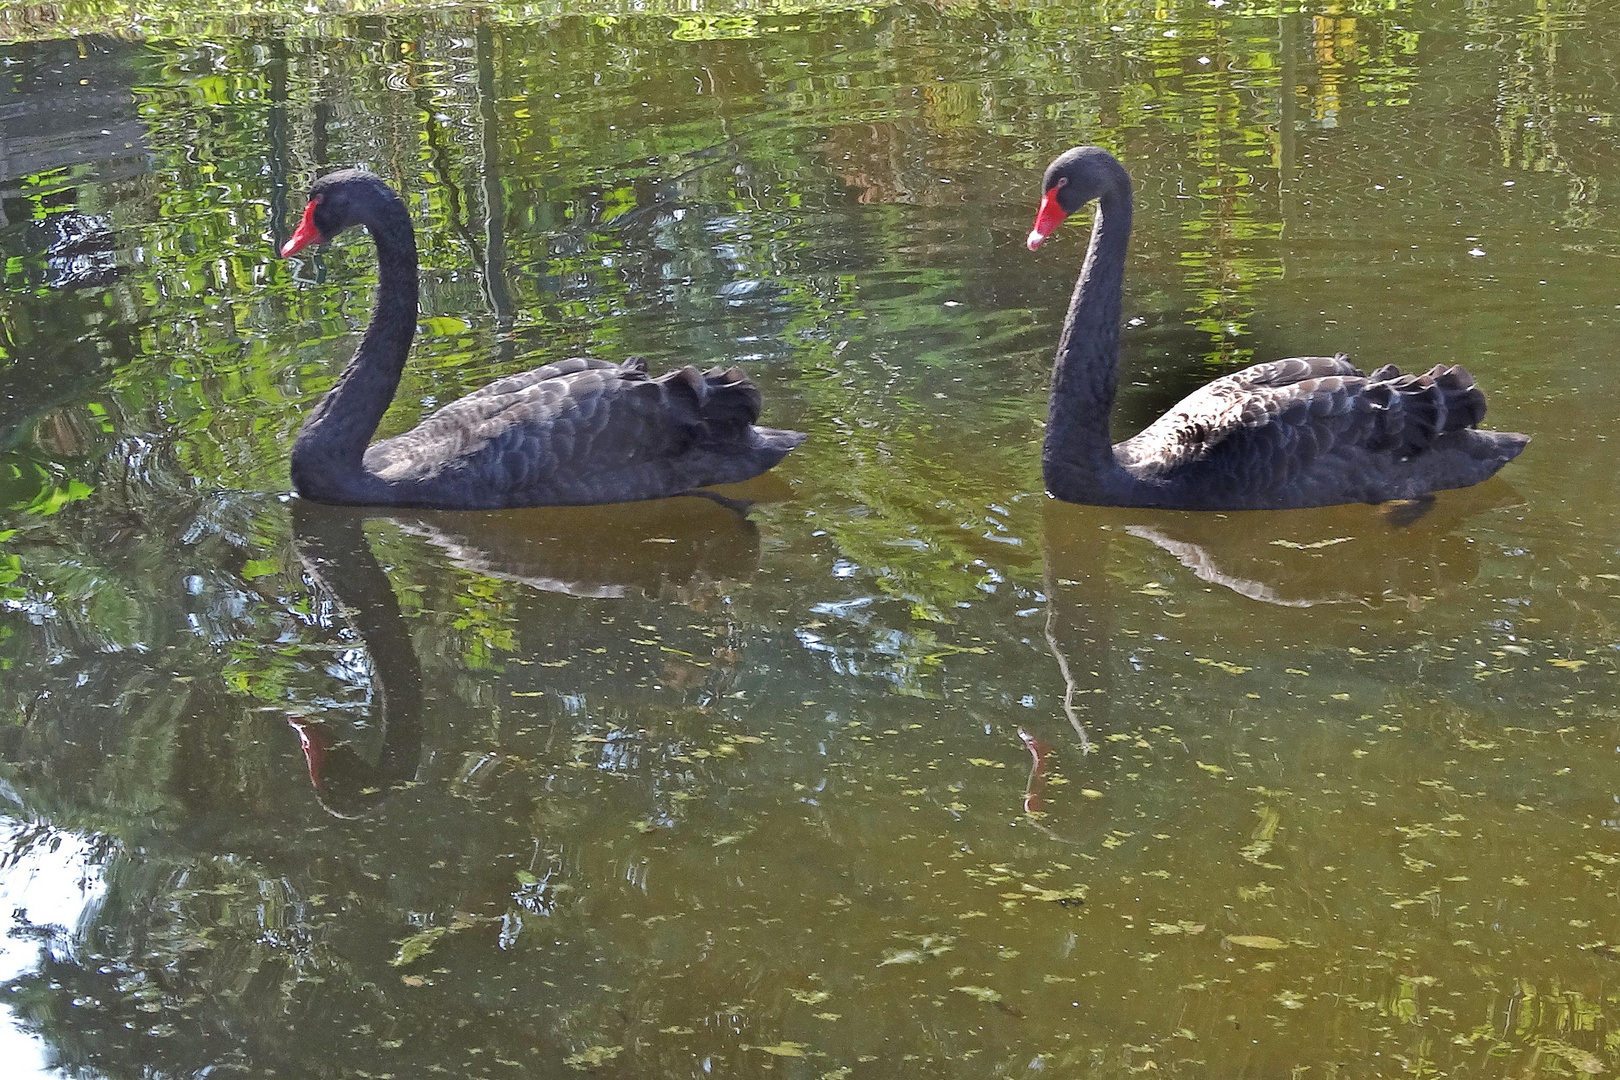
{"points": [[339, 200], [1074, 178]]}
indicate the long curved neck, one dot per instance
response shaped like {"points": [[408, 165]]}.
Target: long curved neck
{"points": [[327, 458], [1078, 457]]}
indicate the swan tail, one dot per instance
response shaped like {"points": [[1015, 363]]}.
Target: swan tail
{"points": [[731, 403], [721, 405], [1419, 409], [1500, 447], [767, 446], [1469, 456], [776, 441], [1464, 402]]}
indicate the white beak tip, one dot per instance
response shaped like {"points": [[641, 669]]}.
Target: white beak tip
{"points": [[1034, 240]]}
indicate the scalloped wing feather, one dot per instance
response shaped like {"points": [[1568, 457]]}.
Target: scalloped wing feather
{"points": [[583, 430], [1304, 421]]}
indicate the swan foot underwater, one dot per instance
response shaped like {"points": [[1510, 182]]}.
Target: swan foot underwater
{"points": [[1308, 431], [576, 432]]}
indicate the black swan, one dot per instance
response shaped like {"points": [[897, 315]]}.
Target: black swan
{"points": [[576, 432], [1310, 431]]}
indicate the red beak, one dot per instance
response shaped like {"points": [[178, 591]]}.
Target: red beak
{"points": [[305, 235], [1051, 215]]}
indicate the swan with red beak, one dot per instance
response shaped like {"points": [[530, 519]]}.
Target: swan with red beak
{"points": [[1305, 431], [573, 432]]}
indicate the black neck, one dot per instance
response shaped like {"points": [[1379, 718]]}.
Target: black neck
{"points": [[1078, 448], [327, 457]]}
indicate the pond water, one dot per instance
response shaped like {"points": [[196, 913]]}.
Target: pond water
{"points": [[662, 790]]}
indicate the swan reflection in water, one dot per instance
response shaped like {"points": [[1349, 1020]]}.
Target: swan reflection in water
{"points": [[667, 548], [1255, 574], [1336, 555], [661, 548], [350, 585]]}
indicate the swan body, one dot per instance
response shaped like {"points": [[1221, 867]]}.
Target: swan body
{"points": [[576, 432], [1307, 431]]}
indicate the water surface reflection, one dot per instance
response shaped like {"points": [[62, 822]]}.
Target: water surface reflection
{"points": [[674, 790]]}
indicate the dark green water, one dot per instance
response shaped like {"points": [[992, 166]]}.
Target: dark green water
{"points": [[659, 791]]}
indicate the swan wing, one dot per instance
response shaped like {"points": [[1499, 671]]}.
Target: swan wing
{"points": [[567, 429], [1205, 418], [1266, 427], [1295, 369], [512, 384]]}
